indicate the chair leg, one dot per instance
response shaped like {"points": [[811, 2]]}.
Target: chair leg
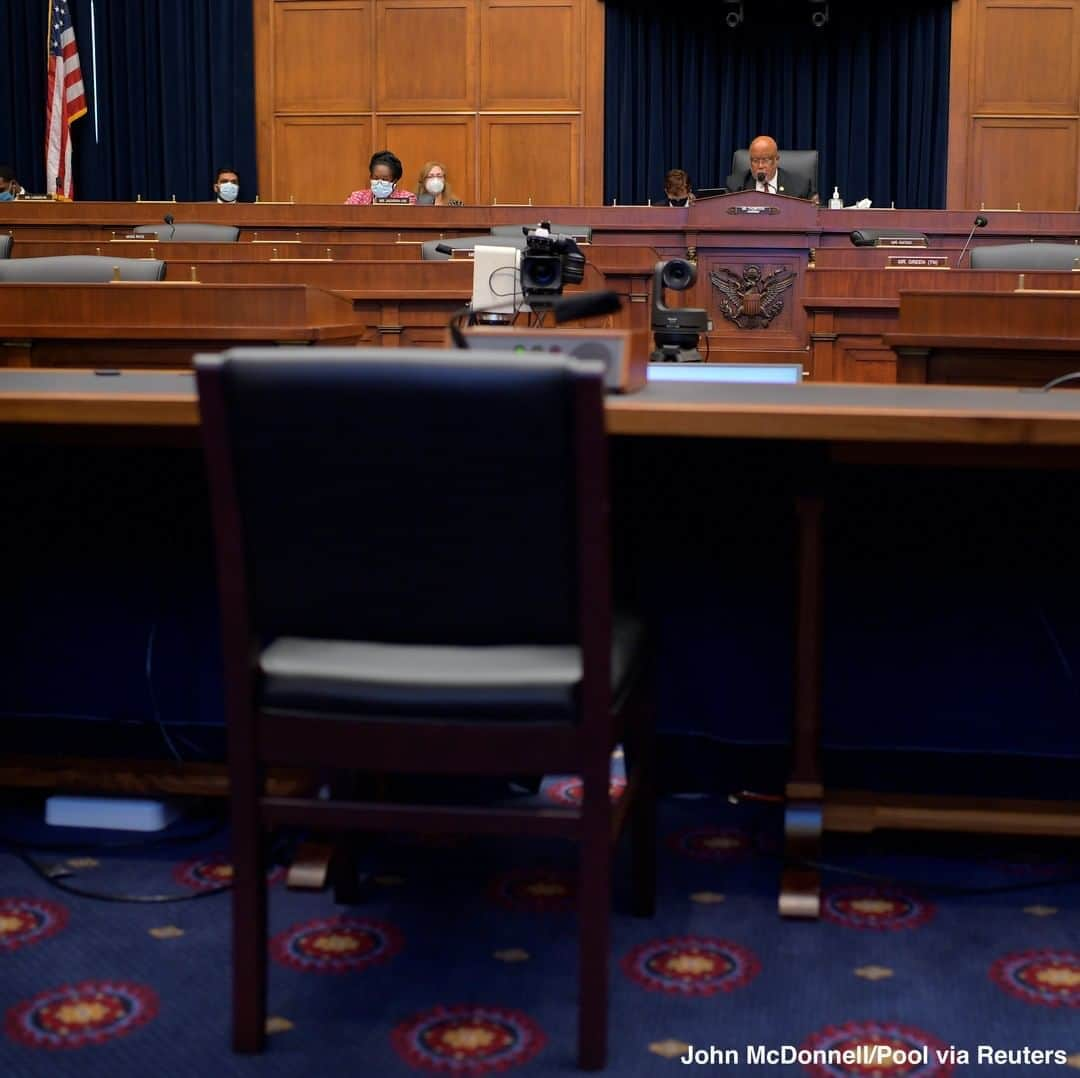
{"points": [[594, 882], [641, 764], [249, 916]]}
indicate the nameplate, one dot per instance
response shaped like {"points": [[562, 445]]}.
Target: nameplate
{"points": [[767, 210], [917, 262], [391, 202], [900, 241], [135, 237]]}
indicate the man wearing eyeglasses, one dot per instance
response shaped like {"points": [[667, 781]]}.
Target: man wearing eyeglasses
{"points": [[765, 173]]}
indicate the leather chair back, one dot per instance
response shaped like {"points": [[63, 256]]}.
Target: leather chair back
{"points": [[5, 246], [1026, 256], [80, 269], [801, 162], [467, 243], [409, 496], [190, 232]]}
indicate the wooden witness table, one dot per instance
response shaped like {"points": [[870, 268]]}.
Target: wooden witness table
{"points": [[154, 324], [827, 425]]}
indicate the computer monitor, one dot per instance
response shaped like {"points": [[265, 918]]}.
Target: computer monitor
{"points": [[771, 373]]}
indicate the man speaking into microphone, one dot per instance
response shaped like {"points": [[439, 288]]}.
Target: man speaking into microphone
{"points": [[765, 173]]}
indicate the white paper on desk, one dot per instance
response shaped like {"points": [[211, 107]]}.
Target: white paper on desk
{"points": [[862, 204]]}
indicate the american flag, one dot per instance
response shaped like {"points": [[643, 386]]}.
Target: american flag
{"points": [[65, 99]]}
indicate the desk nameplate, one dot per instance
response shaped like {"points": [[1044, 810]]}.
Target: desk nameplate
{"points": [[901, 241], [938, 262]]}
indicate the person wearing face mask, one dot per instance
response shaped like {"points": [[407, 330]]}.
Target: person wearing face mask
{"points": [[677, 190], [434, 187], [227, 185], [9, 187], [384, 170]]}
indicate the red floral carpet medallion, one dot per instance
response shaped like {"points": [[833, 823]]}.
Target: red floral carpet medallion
{"points": [[541, 890], [207, 873], [710, 843], [73, 1016], [1051, 978], [881, 1050], [24, 921], [871, 907], [569, 791], [468, 1039], [336, 945], [691, 966]]}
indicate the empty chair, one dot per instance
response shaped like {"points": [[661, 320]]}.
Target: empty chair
{"points": [[467, 243], [80, 269], [582, 233], [801, 162], [1026, 256], [5, 246], [420, 604], [191, 232]]}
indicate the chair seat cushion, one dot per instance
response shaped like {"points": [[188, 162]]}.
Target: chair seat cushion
{"points": [[498, 682]]}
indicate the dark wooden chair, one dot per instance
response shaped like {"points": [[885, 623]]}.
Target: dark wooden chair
{"points": [[413, 560]]}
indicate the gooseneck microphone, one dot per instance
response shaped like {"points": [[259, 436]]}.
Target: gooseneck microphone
{"points": [[980, 222], [169, 221], [585, 305], [760, 177]]}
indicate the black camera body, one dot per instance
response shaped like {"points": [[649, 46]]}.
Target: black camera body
{"points": [[676, 329], [547, 264]]}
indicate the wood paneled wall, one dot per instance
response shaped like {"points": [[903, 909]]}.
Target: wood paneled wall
{"points": [[1015, 105], [508, 93]]}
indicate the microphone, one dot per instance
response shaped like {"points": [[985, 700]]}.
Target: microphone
{"points": [[444, 249], [585, 305], [980, 222], [760, 177], [169, 222]]}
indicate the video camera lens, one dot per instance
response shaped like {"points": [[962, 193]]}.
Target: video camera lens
{"points": [[541, 272]]}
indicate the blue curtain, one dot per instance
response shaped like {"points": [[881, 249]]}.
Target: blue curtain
{"points": [[869, 92], [175, 96]]}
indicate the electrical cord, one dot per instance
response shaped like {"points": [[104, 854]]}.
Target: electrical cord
{"points": [[104, 896]]}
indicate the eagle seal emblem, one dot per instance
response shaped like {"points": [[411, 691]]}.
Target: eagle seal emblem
{"points": [[753, 300]]}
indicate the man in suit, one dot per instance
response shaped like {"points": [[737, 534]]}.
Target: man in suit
{"points": [[765, 173]]}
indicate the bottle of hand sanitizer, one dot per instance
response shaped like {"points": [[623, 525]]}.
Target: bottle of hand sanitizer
{"points": [[836, 202]]}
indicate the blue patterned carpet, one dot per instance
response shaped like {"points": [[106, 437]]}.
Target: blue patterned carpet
{"points": [[462, 960]]}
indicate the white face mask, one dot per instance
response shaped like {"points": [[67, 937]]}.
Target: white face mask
{"points": [[382, 188], [434, 185], [228, 192]]}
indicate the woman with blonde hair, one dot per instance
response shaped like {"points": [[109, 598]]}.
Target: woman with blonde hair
{"points": [[434, 188]]}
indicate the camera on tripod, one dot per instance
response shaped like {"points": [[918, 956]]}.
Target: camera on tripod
{"points": [[548, 263]]}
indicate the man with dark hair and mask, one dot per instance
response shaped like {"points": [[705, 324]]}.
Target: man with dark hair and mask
{"points": [[9, 186], [227, 185]]}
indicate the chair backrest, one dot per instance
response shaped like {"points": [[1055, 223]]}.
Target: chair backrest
{"points": [[80, 269], [467, 243], [578, 232], [413, 496], [190, 232], [1026, 256], [802, 162], [5, 246]]}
